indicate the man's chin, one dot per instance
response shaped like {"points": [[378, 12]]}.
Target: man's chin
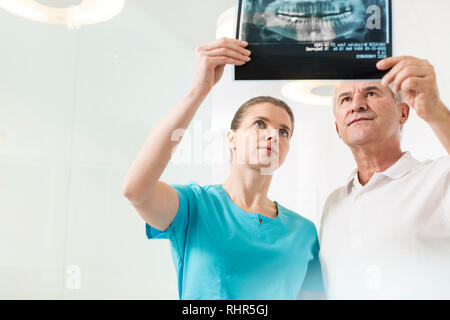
{"points": [[359, 141]]}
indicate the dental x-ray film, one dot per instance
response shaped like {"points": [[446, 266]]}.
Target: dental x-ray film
{"points": [[314, 39]]}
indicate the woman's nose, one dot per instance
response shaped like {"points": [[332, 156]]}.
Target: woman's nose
{"points": [[272, 135]]}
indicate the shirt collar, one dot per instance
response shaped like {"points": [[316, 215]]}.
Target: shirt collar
{"points": [[403, 165]]}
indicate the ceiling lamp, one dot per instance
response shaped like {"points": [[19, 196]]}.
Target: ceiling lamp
{"points": [[316, 93], [226, 24], [65, 12]]}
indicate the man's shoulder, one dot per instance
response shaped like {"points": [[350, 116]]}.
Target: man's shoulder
{"points": [[441, 164], [337, 195]]}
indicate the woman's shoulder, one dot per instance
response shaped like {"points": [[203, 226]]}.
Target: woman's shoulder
{"points": [[197, 190], [297, 219]]}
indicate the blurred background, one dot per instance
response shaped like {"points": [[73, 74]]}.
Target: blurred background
{"points": [[77, 101]]}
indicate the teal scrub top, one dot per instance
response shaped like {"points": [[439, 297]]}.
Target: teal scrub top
{"points": [[221, 252]]}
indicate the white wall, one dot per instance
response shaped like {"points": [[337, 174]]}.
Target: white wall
{"points": [[76, 106]]}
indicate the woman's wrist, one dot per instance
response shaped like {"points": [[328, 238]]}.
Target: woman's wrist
{"points": [[199, 91]]}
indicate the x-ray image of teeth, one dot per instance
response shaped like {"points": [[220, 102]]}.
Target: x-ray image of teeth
{"points": [[306, 21], [314, 39]]}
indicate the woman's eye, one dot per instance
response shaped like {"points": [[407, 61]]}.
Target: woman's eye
{"points": [[259, 123]]}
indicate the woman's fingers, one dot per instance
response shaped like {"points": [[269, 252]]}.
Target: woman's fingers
{"points": [[225, 52], [231, 44], [212, 57], [217, 61]]}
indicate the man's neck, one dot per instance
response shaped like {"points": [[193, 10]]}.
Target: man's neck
{"points": [[375, 158]]}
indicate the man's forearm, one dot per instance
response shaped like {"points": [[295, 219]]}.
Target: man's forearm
{"points": [[441, 126]]}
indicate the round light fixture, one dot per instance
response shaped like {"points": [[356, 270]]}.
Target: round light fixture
{"points": [[316, 93], [226, 24], [66, 12]]}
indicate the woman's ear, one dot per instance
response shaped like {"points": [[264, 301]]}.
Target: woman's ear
{"points": [[231, 139]]}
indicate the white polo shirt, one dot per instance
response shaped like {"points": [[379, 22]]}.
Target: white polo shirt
{"points": [[391, 238]]}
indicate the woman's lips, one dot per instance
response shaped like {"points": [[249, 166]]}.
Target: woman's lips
{"points": [[269, 149]]}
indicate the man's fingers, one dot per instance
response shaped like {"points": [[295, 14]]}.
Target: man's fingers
{"points": [[388, 63], [412, 83], [409, 72], [227, 53], [390, 76], [399, 67]]}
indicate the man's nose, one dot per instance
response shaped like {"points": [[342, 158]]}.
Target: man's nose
{"points": [[359, 103]]}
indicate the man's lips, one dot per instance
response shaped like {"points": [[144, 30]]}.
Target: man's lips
{"points": [[358, 120]]}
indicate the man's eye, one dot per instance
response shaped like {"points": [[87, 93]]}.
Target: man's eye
{"points": [[371, 93], [344, 100], [284, 133]]}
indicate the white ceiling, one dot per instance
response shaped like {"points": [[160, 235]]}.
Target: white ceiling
{"points": [[193, 21]]}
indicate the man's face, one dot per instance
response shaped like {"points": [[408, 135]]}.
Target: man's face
{"points": [[312, 20], [366, 113]]}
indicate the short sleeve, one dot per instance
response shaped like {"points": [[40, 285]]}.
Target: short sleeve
{"points": [[313, 280], [177, 230]]}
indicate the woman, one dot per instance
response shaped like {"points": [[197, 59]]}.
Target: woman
{"points": [[228, 241]]}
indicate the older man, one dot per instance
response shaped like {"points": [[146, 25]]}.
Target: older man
{"points": [[386, 233]]}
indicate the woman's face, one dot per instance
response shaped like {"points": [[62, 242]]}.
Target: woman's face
{"points": [[262, 140]]}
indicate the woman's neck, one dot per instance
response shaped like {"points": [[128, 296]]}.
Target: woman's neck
{"points": [[248, 188]]}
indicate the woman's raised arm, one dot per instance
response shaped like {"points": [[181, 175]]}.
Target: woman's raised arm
{"points": [[156, 201]]}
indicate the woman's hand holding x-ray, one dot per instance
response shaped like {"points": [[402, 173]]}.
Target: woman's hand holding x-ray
{"points": [[211, 58]]}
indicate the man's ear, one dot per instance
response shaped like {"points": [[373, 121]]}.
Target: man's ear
{"points": [[337, 129], [404, 109]]}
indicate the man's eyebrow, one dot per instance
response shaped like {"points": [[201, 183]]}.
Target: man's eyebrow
{"points": [[267, 119], [364, 90], [344, 94], [372, 88]]}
